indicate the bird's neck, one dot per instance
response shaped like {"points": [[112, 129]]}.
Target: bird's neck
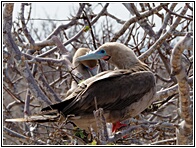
{"points": [[133, 66], [140, 66]]}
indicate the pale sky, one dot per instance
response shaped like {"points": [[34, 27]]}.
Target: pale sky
{"points": [[62, 10]]}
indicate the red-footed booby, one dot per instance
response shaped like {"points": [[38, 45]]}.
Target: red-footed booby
{"points": [[122, 93]]}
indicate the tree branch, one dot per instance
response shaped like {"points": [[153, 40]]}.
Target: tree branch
{"points": [[22, 137], [7, 37], [161, 40], [24, 27], [182, 16], [170, 91], [133, 20], [185, 131], [78, 34], [73, 22], [36, 91]]}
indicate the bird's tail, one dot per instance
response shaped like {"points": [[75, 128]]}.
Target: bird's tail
{"points": [[58, 106]]}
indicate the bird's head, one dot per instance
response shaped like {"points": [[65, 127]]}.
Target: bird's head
{"points": [[113, 52], [100, 53]]}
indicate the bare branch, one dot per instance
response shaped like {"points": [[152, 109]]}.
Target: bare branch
{"points": [[191, 8], [133, 20], [114, 17], [166, 20], [48, 89], [185, 130], [170, 91], [163, 141], [16, 98], [36, 91], [78, 34], [27, 104], [159, 42], [182, 16], [7, 37], [148, 29], [24, 27], [64, 27], [22, 137]]}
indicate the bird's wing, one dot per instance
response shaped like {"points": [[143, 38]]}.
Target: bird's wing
{"points": [[69, 100], [113, 90]]}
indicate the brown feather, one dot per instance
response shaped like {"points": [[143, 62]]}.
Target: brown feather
{"points": [[84, 68]]}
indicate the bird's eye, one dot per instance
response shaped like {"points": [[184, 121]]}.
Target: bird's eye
{"points": [[102, 51]]}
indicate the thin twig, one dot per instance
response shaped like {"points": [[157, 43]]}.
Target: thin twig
{"points": [[15, 134], [182, 16]]}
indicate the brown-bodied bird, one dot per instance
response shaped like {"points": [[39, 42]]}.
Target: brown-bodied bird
{"points": [[122, 93], [86, 68]]}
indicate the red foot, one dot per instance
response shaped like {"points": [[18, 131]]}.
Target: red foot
{"points": [[117, 125]]}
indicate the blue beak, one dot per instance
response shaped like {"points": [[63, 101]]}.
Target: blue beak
{"points": [[95, 55]]}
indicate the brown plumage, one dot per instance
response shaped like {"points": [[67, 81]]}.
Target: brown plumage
{"points": [[86, 68], [122, 93]]}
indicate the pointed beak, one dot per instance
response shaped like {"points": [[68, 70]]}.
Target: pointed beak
{"points": [[91, 56]]}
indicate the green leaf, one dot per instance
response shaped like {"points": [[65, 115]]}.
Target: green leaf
{"points": [[86, 28], [79, 133], [94, 142]]}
